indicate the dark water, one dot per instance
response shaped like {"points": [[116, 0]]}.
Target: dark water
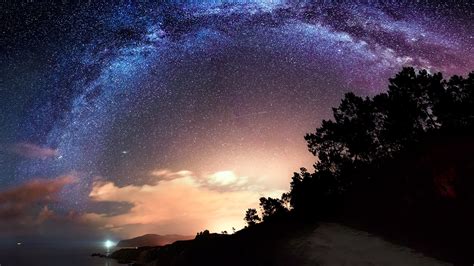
{"points": [[63, 255]]}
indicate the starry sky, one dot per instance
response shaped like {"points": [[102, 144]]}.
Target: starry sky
{"points": [[149, 117]]}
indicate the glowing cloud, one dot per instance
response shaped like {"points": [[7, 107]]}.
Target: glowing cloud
{"points": [[183, 205], [224, 178]]}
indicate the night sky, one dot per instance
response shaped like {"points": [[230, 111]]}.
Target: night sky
{"points": [[144, 117]]}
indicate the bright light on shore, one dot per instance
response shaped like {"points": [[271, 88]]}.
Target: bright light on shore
{"points": [[109, 244]]}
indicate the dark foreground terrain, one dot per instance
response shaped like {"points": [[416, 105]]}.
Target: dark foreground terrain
{"points": [[259, 245], [323, 244]]}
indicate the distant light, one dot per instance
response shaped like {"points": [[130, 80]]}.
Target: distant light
{"points": [[18, 244], [109, 244]]}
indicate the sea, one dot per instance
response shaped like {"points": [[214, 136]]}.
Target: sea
{"points": [[52, 255]]}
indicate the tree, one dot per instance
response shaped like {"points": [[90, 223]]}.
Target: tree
{"points": [[251, 217], [272, 208], [454, 110], [286, 200], [203, 234], [410, 109], [300, 190]]}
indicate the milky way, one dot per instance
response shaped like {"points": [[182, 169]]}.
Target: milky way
{"points": [[112, 93]]}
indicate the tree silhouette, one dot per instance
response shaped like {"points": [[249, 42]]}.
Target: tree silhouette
{"points": [[272, 207], [203, 234], [251, 217]]}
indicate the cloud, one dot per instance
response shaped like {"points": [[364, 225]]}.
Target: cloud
{"points": [[33, 151], [184, 204], [168, 174], [225, 178], [228, 180], [27, 211], [44, 215], [110, 208], [221, 180], [20, 202]]}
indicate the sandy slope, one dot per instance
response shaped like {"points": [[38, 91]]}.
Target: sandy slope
{"points": [[334, 244]]}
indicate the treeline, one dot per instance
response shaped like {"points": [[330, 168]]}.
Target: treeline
{"points": [[388, 146]]}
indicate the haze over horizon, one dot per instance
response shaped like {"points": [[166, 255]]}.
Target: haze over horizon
{"points": [[122, 120]]}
